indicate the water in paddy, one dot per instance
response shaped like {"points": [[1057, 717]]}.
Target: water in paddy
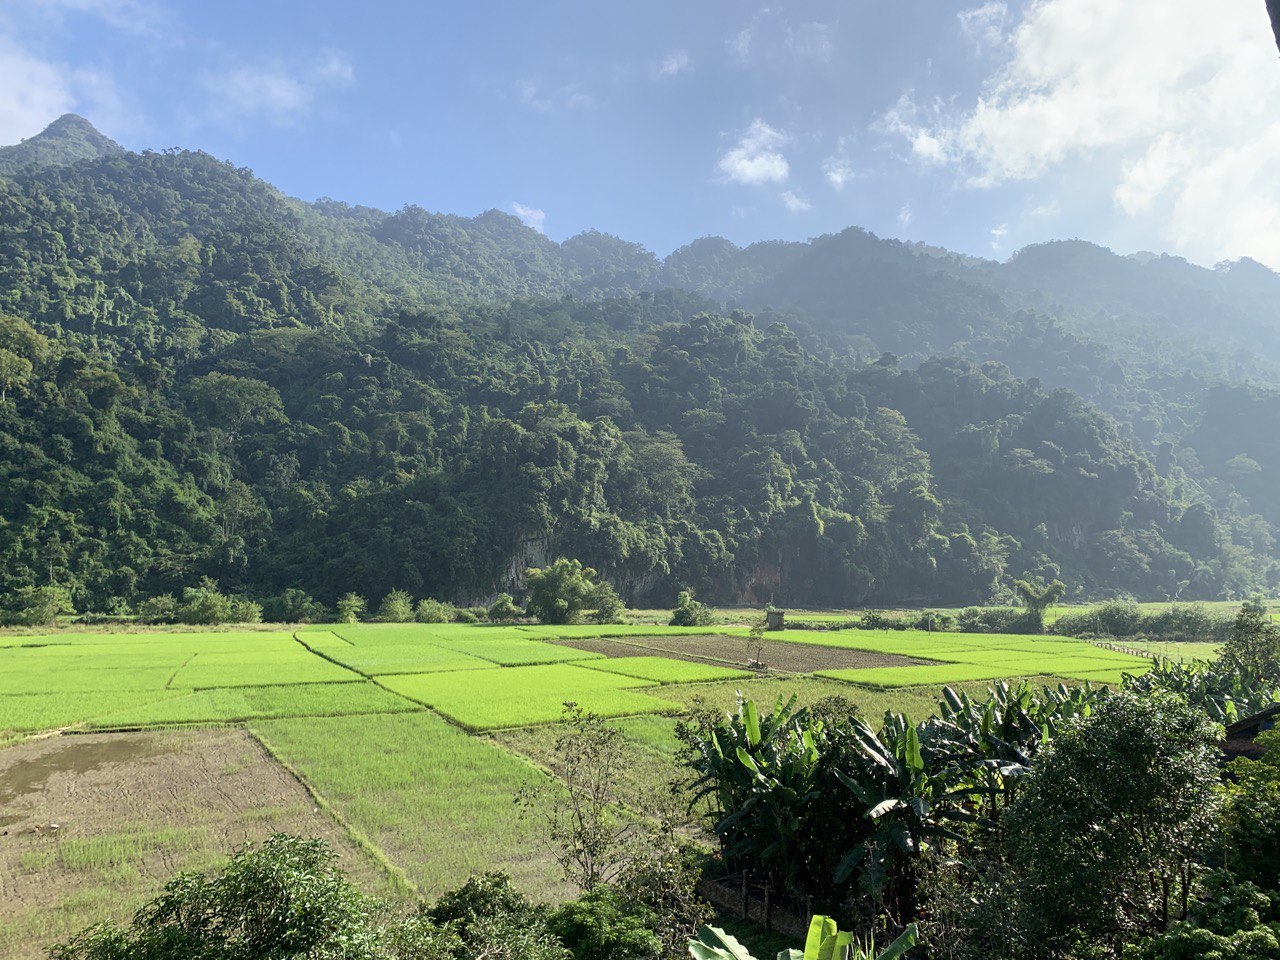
{"points": [[71, 755]]}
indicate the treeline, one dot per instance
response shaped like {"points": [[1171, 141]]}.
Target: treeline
{"points": [[203, 379]]}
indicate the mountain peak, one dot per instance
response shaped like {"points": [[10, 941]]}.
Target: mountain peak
{"points": [[69, 138]]}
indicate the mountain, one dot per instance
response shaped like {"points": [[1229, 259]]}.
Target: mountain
{"points": [[66, 140], [203, 377]]}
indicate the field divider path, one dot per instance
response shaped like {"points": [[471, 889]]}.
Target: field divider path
{"points": [[693, 657], [323, 656], [427, 708], [173, 676], [358, 836]]}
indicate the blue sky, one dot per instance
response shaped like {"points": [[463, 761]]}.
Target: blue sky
{"points": [[980, 125]]}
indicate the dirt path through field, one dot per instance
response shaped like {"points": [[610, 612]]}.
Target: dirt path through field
{"points": [[778, 655], [91, 826]]}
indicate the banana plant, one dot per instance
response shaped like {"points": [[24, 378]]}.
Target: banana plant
{"points": [[990, 743], [761, 771], [903, 794], [825, 942]]}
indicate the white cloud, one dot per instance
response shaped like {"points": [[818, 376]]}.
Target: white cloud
{"points": [[811, 41], [530, 97], [741, 42], [794, 202], [905, 216], [575, 99], [756, 158], [139, 17], [35, 92], [530, 216], [279, 94], [672, 65], [38, 91], [985, 24], [769, 34], [838, 170], [1172, 106], [541, 101], [997, 236], [1047, 211]]}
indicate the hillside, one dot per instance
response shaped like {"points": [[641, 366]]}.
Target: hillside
{"points": [[204, 377], [66, 140]]}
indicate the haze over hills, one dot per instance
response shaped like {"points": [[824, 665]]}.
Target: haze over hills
{"points": [[208, 378]]}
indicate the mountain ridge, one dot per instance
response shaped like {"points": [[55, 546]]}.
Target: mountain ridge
{"points": [[205, 377], [68, 139]]}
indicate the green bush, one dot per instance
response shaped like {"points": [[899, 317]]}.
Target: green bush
{"points": [[606, 607], [161, 609], [690, 613], [602, 926], [503, 609], [561, 592], [43, 606], [1108, 825], [933, 620], [396, 607], [283, 898], [206, 605], [294, 606], [465, 616], [433, 611], [1124, 618], [350, 606], [995, 620]]}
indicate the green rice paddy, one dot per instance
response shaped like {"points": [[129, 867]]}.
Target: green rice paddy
{"points": [[521, 696], [479, 677], [414, 737], [665, 670]]}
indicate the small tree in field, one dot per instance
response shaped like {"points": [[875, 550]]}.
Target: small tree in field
{"points": [[605, 605], [503, 610], [44, 606], [350, 606], [585, 833], [1254, 643], [690, 613], [396, 607], [1038, 596], [561, 592]]}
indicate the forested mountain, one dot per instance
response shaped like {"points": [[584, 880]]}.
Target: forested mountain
{"points": [[66, 140], [202, 377]]}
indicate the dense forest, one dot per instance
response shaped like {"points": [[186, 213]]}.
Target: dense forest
{"points": [[200, 377]]}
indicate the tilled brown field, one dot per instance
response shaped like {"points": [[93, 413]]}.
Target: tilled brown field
{"points": [[778, 655], [92, 826]]}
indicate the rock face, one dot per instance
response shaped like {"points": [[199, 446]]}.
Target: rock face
{"points": [[66, 140]]}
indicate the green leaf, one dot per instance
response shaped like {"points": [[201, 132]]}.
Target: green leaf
{"points": [[821, 929], [751, 718], [714, 944], [906, 940]]}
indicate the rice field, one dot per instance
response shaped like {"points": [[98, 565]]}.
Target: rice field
{"points": [[412, 738], [479, 677], [523, 696], [665, 670], [434, 801]]}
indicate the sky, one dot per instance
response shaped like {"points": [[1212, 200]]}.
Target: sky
{"points": [[978, 125]]}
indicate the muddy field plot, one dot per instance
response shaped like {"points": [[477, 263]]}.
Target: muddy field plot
{"points": [[734, 651], [130, 811]]}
